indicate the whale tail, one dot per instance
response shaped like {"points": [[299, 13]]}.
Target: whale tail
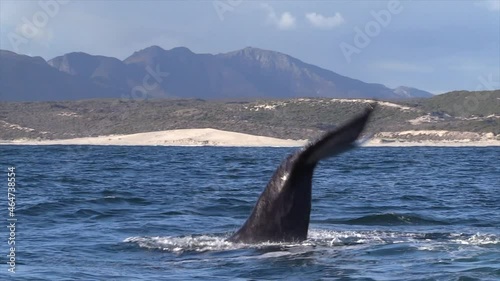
{"points": [[336, 141], [283, 209]]}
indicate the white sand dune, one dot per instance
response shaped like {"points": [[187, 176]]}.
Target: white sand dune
{"points": [[185, 137], [213, 137]]}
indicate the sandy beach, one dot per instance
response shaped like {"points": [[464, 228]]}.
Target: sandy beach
{"points": [[213, 137], [184, 137]]}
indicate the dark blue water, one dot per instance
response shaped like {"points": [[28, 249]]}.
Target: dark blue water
{"points": [[163, 213]]}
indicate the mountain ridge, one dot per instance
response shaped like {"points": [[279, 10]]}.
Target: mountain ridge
{"points": [[154, 72]]}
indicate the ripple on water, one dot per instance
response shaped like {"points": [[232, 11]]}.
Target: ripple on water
{"points": [[377, 214]]}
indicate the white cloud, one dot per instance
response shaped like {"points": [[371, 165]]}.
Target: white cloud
{"points": [[320, 21], [285, 21], [492, 5]]}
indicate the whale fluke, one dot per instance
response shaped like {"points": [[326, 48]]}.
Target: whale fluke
{"points": [[282, 211]]}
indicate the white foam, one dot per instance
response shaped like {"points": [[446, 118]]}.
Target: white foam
{"points": [[180, 244], [316, 238], [479, 239]]}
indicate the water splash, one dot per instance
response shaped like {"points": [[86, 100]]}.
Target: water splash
{"points": [[317, 238]]}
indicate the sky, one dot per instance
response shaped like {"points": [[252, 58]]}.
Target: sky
{"points": [[437, 46]]}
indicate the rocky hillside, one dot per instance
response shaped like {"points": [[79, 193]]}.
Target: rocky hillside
{"points": [[300, 118]]}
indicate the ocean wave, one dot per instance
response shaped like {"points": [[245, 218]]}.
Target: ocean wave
{"points": [[394, 219], [111, 199], [316, 238], [42, 208]]}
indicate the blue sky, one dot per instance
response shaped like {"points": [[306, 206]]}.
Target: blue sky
{"points": [[436, 46]]}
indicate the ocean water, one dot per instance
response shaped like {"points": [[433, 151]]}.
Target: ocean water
{"points": [[163, 213]]}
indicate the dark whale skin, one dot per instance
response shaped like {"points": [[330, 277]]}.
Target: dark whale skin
{"points": [[282, 211]]}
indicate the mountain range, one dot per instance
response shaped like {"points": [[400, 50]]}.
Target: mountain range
{"points": [[153, 72]]}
